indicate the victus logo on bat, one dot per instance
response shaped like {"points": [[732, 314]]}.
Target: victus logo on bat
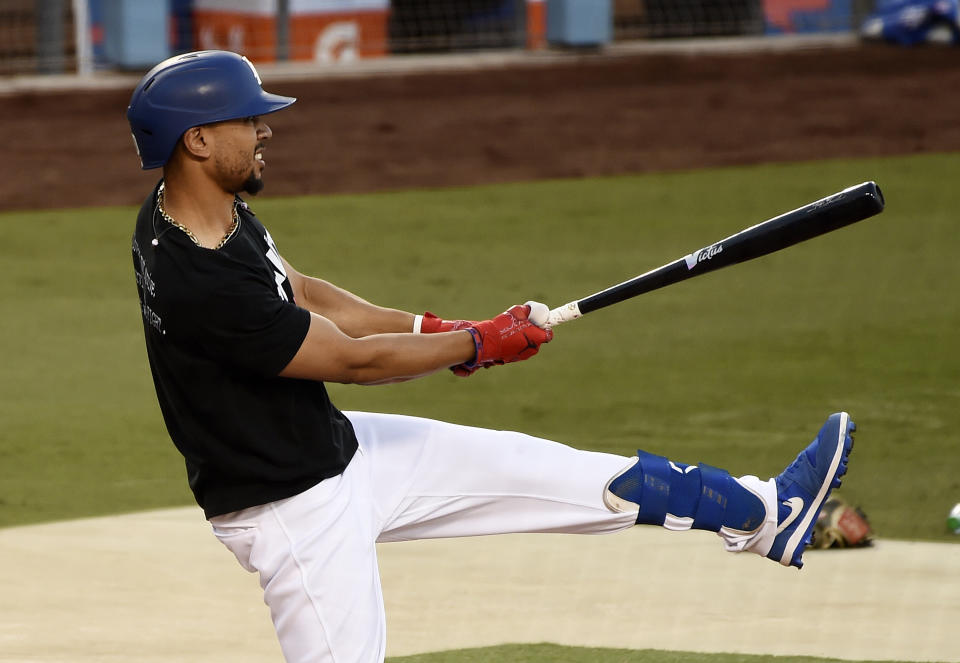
{"points": [[823, 202], [703, 254]]}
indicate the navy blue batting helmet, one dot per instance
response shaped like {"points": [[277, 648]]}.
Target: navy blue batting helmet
{"points": [[190, 90]]}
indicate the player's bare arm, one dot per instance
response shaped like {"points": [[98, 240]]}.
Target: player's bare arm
{"points": [[353, 315], [380, 352], [328, 354]]}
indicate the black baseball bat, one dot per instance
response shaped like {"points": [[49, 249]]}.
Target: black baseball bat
{"points": [[853, 204]]}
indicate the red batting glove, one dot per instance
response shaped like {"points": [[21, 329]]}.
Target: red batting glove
{"points": [[507, 338], [431, 324]]}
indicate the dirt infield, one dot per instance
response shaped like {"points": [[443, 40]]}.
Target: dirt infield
{"points": [[157, 586], [587, 117]]}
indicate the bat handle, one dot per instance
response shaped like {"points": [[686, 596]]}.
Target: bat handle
{"points": [[565, 313], [554, 317]]}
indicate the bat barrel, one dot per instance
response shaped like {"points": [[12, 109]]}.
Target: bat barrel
{"points": [[841, 209]]}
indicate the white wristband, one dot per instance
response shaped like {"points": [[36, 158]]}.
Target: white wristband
{"points": [[417, 322]]}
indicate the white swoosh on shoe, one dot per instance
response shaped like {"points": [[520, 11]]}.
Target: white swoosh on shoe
{"points": [[796, 506]]}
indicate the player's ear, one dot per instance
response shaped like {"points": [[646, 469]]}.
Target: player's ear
{"points": [[196, 142]]}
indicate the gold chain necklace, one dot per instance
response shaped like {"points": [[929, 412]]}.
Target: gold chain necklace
{"points": [[176, 224]]}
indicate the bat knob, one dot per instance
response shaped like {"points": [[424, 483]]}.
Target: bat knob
{"points": [[539, 313]]}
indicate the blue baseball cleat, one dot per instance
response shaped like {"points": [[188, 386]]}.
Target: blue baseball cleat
{"points": [[804, 486]]}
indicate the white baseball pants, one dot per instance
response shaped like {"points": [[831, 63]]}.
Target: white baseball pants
{"points": [[411, 479]]}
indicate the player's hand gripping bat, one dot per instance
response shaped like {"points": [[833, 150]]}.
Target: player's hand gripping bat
{"points": [[841, 209]]}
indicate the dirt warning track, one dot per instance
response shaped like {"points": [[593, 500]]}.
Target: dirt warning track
{"points": [[636, 113]]}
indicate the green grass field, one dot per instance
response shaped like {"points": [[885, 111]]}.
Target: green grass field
{"points": [[737, 369], [544, 653]]}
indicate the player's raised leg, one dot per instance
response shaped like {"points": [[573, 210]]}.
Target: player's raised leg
{"points": [[773, 518], [437, 480]]}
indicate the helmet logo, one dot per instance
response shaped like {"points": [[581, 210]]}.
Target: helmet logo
{"points": [[253, 69]]}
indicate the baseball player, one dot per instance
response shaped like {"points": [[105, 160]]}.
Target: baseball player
{"points": [[240, 345]]}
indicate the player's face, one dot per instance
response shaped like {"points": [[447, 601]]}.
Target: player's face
{"points": [[238, 157]]}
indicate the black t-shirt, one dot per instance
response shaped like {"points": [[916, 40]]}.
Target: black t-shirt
{"points": [[220, 325]]}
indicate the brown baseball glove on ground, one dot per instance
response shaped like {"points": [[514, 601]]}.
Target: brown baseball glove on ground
{"points": [[840, 525]]}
